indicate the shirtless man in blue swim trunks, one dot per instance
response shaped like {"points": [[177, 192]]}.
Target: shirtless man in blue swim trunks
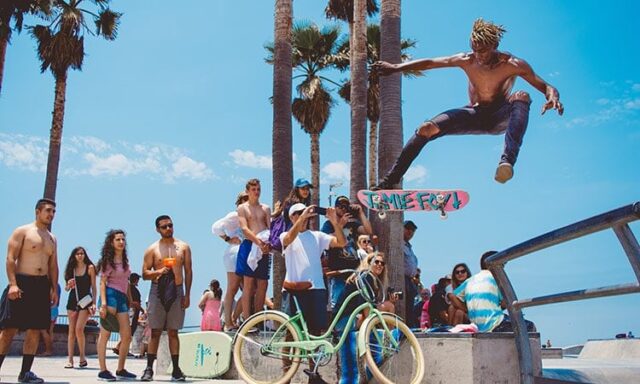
{"points": [[493, 109], [32, 271], [254, 218]]}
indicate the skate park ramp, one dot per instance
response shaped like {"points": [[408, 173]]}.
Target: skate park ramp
{"points": [[600, 361]]}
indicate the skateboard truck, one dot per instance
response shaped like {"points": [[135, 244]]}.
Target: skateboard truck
{"points": [[441, 204]]}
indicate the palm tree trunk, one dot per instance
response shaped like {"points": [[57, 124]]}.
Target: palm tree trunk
{"points": [[390, 231], [281, 145], [55, 137], [3, 53], [373, 152], [358, 67], [315, 175]]}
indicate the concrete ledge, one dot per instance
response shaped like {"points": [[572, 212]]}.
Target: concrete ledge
{"points": [[60, 335], [450, 358]]}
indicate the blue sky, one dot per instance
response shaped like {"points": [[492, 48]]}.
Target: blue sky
{"points": [[174, 116]]}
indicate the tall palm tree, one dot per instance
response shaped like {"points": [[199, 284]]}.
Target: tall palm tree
{"points": [[313, 52], [355, 13], [60, 47], [390, 231], [373, 90], [15, 10], [281, 146]]}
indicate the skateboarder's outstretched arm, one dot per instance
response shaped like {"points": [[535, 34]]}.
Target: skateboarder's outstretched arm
{"points": [[550, 92], [384, 68]]}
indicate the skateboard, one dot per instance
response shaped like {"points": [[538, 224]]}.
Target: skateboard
{"points": [[442, 200]]}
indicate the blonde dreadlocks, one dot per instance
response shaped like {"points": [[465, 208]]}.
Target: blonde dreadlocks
{"points": [[486, 33]]}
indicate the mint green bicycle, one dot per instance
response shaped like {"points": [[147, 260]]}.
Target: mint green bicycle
{"points": [[391, 351]]}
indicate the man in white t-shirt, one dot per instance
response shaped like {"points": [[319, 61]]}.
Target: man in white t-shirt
{"points": [[302, 250]]}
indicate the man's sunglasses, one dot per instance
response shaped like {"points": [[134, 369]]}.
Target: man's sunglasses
{"points": [[166, 226]]}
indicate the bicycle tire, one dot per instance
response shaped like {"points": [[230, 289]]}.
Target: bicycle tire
{"points": [[390, 365], [254, 364]]}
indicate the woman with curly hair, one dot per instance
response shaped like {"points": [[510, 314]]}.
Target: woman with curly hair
{"points": [[115, 297], [80, 275]]}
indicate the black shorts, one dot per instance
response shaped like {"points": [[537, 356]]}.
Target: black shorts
{"points": [[33, 309]]}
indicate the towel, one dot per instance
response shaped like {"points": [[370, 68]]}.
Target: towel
{"points": [[256, 254]]}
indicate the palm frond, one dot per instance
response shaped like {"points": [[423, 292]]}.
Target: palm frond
{"points": [[343, 9], [107, 24]]}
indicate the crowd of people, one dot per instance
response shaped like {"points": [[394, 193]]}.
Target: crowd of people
{"points": [[319, 275]]}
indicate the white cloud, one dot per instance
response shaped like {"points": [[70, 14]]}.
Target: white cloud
{"points": [[632, 104], [636, 87], [554, 74], [89, 143], [91, 156], [191, 169], [250, 159], [23, 152], [416, 173], [337, 171]]}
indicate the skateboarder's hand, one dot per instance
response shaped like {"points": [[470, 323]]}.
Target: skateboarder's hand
{"points": [[553, 103], [383, 68]]}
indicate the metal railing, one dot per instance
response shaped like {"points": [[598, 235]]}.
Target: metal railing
{"points": [[617, 220]]}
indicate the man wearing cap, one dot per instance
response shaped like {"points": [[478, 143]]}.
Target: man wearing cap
{"points": [[302, 250], [346, 258], [410, 270]]}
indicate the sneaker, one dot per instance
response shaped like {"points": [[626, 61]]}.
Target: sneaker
{"points": [[106, 376], [124, 374], [178, 376], [504, 172], [29, 377], [147, 375]]}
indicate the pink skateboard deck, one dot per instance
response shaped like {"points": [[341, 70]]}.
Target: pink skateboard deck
{"points": [[440, 200]]}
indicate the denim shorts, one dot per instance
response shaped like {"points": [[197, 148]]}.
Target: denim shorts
{"points": [[313, 305], [117, 300]]}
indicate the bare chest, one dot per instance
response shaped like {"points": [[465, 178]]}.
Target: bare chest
{"points": [[171, 255]]}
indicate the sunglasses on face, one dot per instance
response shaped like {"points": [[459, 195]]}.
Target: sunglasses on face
{"points": [[365, 241], [166, 226], [460, 271], [379, 262]]}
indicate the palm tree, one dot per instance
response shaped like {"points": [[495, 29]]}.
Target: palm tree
{"points": [[281, 147], [373, 91], [355, 13], [313, 52], [391, 129], [60, 47], [15, 10]]}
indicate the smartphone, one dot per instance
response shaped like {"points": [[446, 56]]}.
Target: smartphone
{"points": [[321, 211]]}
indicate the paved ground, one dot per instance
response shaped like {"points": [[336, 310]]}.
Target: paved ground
{"points": [[51, 369]]}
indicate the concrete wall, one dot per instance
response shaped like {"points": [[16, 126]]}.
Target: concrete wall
{"points": [[60, 334], [451, 359]]}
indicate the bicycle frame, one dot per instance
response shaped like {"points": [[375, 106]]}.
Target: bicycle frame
{"points": [[314, 346]]}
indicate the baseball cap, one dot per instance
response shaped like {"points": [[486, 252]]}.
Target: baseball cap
{"points": [[410, 225], [296, 208], [303, 183], [342, 200]]}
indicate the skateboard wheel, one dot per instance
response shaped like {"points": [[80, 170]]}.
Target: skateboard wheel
{"points": [[440, 199], [444, 215], [382, 215], [375, 199]]}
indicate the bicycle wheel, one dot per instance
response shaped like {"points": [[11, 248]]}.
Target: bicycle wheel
{"points": [[387, 363], [256, 358]]}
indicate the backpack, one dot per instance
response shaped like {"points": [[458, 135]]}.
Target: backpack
{"points": [[277, 227]]}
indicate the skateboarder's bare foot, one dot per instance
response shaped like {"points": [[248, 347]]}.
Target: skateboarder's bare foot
{"points": [[504, 172]]}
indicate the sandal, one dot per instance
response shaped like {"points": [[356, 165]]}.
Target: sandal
{"points": [[68, 365], [83, 364]]}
